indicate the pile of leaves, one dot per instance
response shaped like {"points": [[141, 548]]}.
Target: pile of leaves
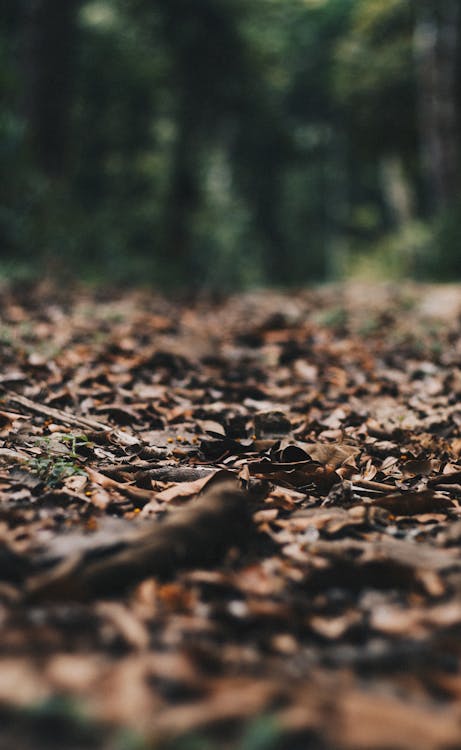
{"points": [[231, 523]]}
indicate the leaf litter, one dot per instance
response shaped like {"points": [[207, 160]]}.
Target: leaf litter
{"points": [[229, 512]]}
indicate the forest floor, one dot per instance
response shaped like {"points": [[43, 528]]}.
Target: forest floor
{"points": [[231, 524]]}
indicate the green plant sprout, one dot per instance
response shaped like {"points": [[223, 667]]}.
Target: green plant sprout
{"points": [[59, 458]]}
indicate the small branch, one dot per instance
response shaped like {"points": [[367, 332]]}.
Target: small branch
{"points": [[64, 417], [366, 484]]}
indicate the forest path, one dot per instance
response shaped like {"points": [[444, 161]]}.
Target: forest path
{"points": [[233, 522]]}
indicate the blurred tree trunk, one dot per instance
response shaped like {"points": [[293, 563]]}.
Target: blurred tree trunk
{"points": [[183, 199], [277, 266], [397, 190], [436, 48], [50, 41]]}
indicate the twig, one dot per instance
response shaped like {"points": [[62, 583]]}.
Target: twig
{"points": [[366, 484], [59, 415]]}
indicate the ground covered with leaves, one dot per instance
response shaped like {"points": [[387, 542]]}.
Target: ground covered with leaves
{"points": [[233, 523]]}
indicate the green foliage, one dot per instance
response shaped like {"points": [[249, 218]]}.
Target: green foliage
{"points": [[335, 318], [215, 144], [263, 733], [443, 263], [375, 76], [58, 458], [403, 253]]}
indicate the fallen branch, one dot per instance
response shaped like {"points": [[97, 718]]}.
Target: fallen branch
{"points": [[150, 471], [49, 411], [64, 417], [192, 537]]}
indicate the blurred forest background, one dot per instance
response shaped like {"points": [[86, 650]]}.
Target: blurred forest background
{"points": [[224, 143]]}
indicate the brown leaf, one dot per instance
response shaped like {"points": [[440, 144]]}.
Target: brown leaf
{"points": [[413, 503]]}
